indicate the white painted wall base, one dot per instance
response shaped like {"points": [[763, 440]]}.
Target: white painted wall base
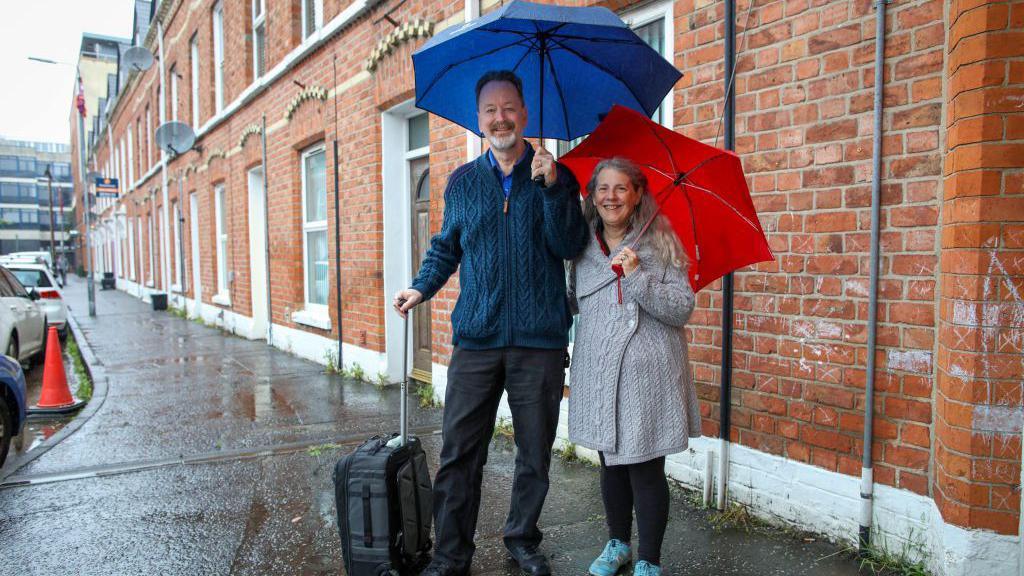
{"points": [[824, 502], [319, 348], [298, 342]]}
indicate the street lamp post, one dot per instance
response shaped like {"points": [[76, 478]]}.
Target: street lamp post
{"points": [[85, 187], [53, 242], [86, 208]]}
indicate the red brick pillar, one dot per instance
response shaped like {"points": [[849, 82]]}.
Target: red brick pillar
{"points": [[981, 320]]}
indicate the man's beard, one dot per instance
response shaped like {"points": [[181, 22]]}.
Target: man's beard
{"points": [[503, 143]]}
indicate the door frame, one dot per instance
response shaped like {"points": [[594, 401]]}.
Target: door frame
{"points": [[408, 157], [197, 283], [397, 230], [257, 252]]}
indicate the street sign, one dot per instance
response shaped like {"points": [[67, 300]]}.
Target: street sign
{"points": [[106, 187]]}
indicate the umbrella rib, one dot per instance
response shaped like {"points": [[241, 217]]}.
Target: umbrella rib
{"points": [[529, 50], [561, 96], [722, 200], [600, 67], [629, 42], [452, 65], [701, 164], [666, 147]]}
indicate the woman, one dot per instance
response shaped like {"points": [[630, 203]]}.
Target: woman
{"points": [[632, 398]]}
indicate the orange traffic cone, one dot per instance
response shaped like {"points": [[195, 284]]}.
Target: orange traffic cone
{"points": [[56, 397]]}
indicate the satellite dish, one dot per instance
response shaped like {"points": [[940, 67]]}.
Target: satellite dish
{"points": [[137, 58], [175, 137]]}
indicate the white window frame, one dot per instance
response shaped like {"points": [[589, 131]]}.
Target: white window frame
{"points": [[220, 223], [645, 15], [131, 163], [124, 166], [315, 310], [149, 137], [138, 142], [174, 92], [151, 272], [131, 249], [318, 18], [176, 225], [194, 79], [218, 56], [259, 20], [142, 266]]}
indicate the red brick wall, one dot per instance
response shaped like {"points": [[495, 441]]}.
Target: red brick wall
{"points": [[804, 126], [981, 316], [804, 97]]}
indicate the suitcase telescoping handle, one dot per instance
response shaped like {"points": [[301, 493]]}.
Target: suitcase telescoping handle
{"points": [[403, 427]]}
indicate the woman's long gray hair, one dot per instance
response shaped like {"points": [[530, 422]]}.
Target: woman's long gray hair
{"points": [[660, 234]]}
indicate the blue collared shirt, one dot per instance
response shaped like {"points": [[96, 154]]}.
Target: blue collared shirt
{"points": [[506, 179]]}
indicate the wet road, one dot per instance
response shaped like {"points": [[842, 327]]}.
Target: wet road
{"points": [[207, 456]]}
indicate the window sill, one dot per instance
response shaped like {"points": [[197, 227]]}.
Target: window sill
{"points": [[150, 284], [176, 288], [313, 319], [222, 299]]}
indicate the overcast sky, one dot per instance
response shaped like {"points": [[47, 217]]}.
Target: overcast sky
{"points": [[36, 98]]}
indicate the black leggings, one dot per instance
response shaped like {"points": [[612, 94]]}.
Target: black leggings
{"points": [[644, 487]]}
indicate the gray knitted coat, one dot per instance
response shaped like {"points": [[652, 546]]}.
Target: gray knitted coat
{"points": [[631, 394]]}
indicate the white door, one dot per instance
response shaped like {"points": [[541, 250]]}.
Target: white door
{"points": [[161, 245], [258, 252], [197, 285]]}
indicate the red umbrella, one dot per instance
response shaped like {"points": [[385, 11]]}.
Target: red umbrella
{"points": [[700, 188]]}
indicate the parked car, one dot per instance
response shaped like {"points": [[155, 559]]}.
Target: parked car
{"points": [[12, 403], [22, 322], [51, 300], [36, 256]]}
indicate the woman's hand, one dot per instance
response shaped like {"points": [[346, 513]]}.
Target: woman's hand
{"points": [[628, 260]]}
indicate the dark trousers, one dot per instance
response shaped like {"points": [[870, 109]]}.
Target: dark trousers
{"points": [[533, 379], [642, 486]]}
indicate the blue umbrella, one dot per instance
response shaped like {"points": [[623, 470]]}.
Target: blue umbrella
{"points": [[575, 64]]}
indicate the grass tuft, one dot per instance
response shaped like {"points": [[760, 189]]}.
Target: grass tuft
{"points": [[737, 516], [84, 390], [567, 452], [425, 393], [319, 449], [881, 560], [503, 429]]}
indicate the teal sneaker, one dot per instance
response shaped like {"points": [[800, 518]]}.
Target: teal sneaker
{"points": [[645, 568], [616, 554]]}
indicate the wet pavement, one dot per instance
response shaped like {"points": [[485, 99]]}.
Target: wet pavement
{"points": [[211, 454]]}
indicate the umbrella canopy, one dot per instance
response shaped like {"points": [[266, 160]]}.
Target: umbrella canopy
{"points": [[575, 64], [700, 188]]}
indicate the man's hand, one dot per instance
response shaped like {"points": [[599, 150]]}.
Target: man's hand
{"points": [[405, 300], [544, 165]]}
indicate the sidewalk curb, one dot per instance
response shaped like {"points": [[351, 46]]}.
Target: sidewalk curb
{"points": [[99, 394]]}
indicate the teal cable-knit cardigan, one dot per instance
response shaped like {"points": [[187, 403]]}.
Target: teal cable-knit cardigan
{"points": [[512, 275]]}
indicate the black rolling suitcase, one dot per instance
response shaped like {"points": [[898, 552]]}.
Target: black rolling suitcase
{"points": [[385, 501]]}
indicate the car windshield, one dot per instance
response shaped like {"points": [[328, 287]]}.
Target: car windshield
{"points": [[30, 278]]}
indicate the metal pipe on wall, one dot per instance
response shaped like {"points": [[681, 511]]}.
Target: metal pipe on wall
{"points": [[337, 224], [867, 480], [727, 286]]}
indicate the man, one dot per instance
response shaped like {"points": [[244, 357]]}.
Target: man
{"points": [[62, 269], [509, 327]]}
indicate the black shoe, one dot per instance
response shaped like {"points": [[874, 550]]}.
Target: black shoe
{"points": [[442, 569], [530, 561]]}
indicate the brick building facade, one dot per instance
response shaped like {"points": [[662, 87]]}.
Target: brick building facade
{"points": [[948, 405]]}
